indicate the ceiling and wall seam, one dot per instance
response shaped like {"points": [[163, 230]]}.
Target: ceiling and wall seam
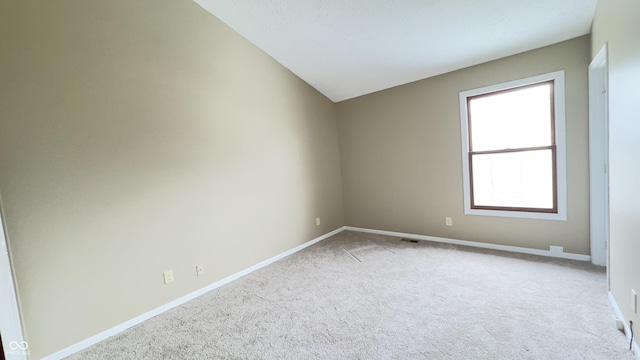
{"points": [[346, 49]]}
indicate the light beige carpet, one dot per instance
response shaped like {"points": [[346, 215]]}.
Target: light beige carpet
{"points": [[362, 296]]}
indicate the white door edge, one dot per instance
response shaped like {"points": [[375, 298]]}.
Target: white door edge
{"points": [[599, 158], [13, 341]]}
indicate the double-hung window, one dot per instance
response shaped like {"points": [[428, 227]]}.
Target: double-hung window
{"points": [[513, 148]]}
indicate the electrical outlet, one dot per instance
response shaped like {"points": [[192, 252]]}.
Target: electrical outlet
{"points": [[448, 221], [634, 301], [556, 249], [168, 276], [317, 221], [199, 270]]}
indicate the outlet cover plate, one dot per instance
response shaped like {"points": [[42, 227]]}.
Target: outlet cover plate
{"points": [[556, 249], [168, 276]]}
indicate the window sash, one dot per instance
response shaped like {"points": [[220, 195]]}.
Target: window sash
{"points": [[554, 177], [552, 147], [552, 121]]}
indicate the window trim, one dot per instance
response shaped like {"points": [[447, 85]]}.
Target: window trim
{"points": [[560, 147]]}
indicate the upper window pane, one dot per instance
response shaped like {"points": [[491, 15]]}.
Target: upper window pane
{"points": [[512, 119]]}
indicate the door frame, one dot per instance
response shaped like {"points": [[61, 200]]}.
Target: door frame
{"points": [[13, 342], [599, 158]]}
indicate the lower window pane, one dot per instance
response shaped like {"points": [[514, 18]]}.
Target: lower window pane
{"points": [[517, 179]]}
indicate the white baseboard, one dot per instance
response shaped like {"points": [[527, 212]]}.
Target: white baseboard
{"points": [[475, 244], [139, 319], [146, 316], [627, 331]]}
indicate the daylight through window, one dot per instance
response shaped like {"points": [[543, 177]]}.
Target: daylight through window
{"points": [[511, 148]]}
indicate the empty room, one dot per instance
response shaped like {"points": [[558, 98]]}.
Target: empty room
{"points": [[205, 179]]}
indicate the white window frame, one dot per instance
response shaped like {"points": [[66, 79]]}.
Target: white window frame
{"points": [[561, 156]]}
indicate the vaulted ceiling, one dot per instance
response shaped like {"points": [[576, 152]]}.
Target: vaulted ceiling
{"points": [[348, 48]]}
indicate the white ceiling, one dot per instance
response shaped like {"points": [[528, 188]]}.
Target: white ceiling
{"points": [[348, 48]]}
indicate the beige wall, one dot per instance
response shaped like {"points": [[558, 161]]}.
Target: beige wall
{"points": [[401, 155], [617, 23], [140, 136]]}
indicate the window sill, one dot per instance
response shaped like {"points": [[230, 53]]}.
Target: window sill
{"points": [[560, 216]]}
